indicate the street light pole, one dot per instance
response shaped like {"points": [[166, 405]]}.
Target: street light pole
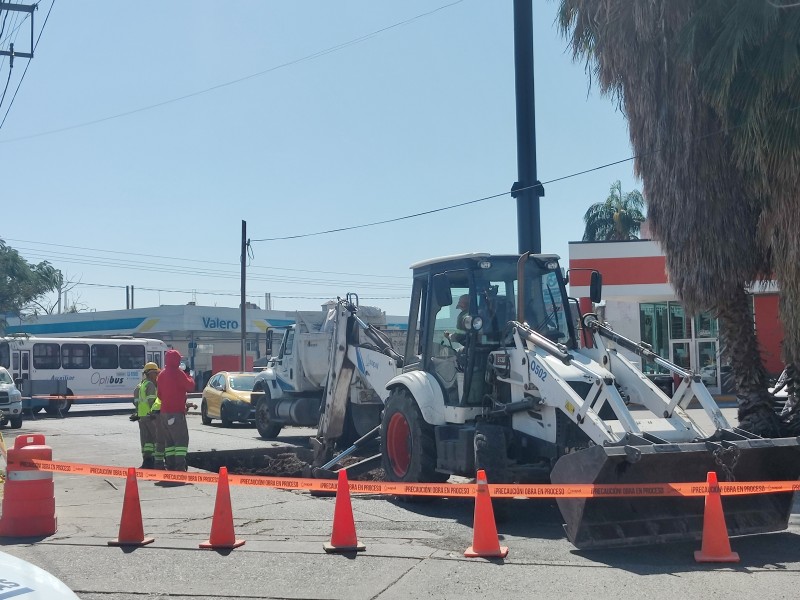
{"points": [[527, 189], [243, 314]]}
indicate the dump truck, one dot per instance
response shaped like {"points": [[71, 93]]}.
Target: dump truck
{"points": [[291, 389], [524, 400]]}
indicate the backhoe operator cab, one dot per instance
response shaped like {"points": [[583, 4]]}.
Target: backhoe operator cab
{"points": [[491, 283]]}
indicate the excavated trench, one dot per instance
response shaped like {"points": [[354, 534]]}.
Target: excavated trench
{"points": [[274, 462]]}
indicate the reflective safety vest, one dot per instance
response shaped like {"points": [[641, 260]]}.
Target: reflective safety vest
{"points": [[146, 402]]}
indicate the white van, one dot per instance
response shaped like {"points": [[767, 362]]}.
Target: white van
{"points": [[10, 401]]}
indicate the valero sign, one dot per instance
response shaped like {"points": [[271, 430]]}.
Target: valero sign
{"points": [[217, 323]]}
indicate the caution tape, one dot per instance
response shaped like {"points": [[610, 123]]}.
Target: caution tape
{"points": [[449, 490], [98, 397]]}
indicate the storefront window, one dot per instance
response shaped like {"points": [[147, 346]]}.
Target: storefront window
{"points": [[679, 325], [672, 335], [706, 326], [654, 331]]}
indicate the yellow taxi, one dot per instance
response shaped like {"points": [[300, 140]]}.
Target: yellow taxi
{"points": [[227, 397]]}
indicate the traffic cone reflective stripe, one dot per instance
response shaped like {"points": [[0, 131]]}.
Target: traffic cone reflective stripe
{"points": [[131, 530], [716, 544], [343, 537], [485, 542], [222, 535]]}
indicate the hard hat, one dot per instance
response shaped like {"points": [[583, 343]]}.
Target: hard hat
{"points": [[151, 366]]}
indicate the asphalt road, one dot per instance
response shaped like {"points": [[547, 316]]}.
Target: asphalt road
{"points": [[414, 550]]}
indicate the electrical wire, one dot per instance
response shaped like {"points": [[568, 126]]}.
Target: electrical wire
{"points": [[33, 50], [290, 63], [232, 294], [5, 89], [517, 190], [194, 260]]}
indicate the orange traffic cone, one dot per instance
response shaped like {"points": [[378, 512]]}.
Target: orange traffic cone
{"points": [[222, 536], [485, 542], [343, 537], [716, 545], [131, 531]]}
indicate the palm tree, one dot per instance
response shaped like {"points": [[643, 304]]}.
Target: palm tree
{"points": [[619, 218], [702, 207], [748, 60]]}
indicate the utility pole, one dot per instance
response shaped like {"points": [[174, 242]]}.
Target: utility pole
{"points": [[243, 316], [527, 189], [11, 53]]}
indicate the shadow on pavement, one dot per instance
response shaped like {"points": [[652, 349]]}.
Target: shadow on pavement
{"points": [[770, 551]]}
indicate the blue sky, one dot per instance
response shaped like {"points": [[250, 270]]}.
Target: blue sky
{"points": [[320, 134]]}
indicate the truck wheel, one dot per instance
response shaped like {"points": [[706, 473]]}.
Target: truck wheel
{"points": [[225, 420], [62, 405], [408, 446], [16, 422], [204, 418], [267, 428]]}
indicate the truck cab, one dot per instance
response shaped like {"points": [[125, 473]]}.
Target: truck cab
{"points": [[10, 401]]}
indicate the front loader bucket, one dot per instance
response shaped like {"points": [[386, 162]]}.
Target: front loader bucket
{"points": [[609, 522]]}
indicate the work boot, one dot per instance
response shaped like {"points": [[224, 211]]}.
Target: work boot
{"points": [[148, 463]]}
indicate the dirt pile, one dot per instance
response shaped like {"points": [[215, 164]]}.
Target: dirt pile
{"points": [[286, 463]]}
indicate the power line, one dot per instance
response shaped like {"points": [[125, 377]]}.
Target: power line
{"points": [[178, 270], [10, 104], [5, 89], [492, 197], [194, 260], [290, 63], [232, 294]]}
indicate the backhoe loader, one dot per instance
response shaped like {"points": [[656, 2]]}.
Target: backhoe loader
{"points": [[524, 401]]}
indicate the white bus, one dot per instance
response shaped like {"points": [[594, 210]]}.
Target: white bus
{"points": [[79, 369]]}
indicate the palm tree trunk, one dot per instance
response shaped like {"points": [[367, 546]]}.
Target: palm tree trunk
{"points": [[738, 342]]}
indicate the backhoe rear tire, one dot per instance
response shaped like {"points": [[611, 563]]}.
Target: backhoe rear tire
{"points": [[408, 445]]}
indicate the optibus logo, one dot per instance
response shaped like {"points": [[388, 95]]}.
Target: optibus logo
{"points": [[98, 379]]}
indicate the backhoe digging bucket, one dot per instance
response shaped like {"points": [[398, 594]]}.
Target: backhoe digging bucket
{"points": [[609, 522]]}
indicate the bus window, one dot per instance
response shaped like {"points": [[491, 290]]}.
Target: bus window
{"points": [[75, 356], [46, 356], [5, 355], [131, 357], [154, 357], [104, 356]]}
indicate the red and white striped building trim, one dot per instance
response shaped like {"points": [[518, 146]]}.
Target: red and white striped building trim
{"points": [[634, 272]]}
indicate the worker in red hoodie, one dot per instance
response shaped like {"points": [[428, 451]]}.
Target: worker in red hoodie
{"points": [[173, 385]]}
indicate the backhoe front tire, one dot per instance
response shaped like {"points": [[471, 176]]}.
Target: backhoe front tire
{"points": [[408, 445], [267, 428]]}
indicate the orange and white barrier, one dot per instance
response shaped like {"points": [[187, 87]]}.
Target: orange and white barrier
{"points": [[29, 501]]}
